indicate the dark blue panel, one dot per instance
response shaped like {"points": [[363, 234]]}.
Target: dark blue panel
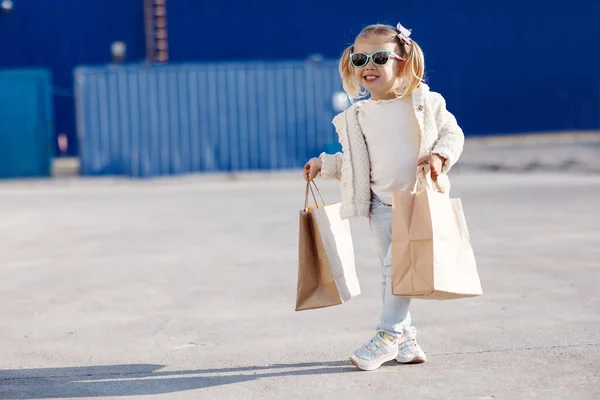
{"points": [[504, 66]]}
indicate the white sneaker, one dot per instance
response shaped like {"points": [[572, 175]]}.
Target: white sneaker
{"points": [[382, 348], [409, 351]]}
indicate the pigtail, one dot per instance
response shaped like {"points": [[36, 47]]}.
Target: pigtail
{"points": [[414, 68]]}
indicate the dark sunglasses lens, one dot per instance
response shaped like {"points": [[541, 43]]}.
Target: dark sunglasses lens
{"points": [[380, 58], [359, 60]]}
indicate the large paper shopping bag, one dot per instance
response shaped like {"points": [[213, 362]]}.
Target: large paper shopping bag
{"points": [[326, 269], [432, 256]]}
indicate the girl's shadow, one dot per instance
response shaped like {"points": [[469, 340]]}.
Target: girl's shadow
{"points": [[142, 379]]}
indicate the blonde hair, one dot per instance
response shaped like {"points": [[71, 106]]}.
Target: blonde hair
{"points": [[410, 77]]}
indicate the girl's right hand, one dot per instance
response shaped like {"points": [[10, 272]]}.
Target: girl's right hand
{"points": [[312, 168]]}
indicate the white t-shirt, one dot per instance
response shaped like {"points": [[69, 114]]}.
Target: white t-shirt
{"points": [[392, 134]]}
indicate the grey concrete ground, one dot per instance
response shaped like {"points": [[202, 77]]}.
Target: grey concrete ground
{"points": [[185, 289], [560, 152]]}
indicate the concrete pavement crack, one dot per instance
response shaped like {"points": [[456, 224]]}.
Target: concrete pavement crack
{"points": [[519, 349]]}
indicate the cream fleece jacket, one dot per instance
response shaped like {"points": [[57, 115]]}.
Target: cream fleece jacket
{"points": [[440, 134]]}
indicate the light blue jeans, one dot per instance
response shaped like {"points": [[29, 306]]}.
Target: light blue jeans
{"points": [[395, 317]]}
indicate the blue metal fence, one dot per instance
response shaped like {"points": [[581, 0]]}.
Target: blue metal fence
{"points": [[26, 125], [159, 120]]}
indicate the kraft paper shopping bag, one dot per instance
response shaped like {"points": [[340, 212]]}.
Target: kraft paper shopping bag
{"points": [[326, 269]]}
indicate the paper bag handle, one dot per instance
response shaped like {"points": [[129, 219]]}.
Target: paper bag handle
{"points": [[309, 187], [431, 183]]}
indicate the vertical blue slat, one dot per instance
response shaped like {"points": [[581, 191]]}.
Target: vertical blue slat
{"points": [[271, 117], [99, 152], [113, 136], [327, 103], [132, 135], [282, 157], [89, 115], [231, 116], [290, 116], [222, 103], [206, 146], [252, 108], [141, 144], [113, 121], [262, 115], [310, 106], [163, 109], [174, 131], [319, 102], [243, 123], [122, 122], [300, 123], [115, 114], [194, 120], [124, 106], [94, 139], [211, 100], [105, 155], [153, 165], [183, 116]]}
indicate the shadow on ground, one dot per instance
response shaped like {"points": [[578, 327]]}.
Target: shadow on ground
{"points": [[142, 379]]}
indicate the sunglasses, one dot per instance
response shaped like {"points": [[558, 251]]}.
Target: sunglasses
{"points": [[379, 58]]}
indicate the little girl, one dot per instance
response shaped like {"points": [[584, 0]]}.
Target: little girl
{"points": [[384, 139]]}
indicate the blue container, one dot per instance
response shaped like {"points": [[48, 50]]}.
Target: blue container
{"points": [[26, 125], [146, 121]]}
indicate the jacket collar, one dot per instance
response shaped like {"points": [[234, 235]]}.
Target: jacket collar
{"points": [[418, 96]]}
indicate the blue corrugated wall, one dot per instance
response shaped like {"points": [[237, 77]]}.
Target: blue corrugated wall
{"points": [[163, 120], [504, 66]]}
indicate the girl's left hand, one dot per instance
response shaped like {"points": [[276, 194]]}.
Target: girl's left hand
{"points": [[435, 162]]}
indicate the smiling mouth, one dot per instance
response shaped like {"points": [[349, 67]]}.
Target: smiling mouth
{"points": [[370, 78]]}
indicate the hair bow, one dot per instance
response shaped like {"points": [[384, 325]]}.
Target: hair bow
{"points": [[404, 34]]}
